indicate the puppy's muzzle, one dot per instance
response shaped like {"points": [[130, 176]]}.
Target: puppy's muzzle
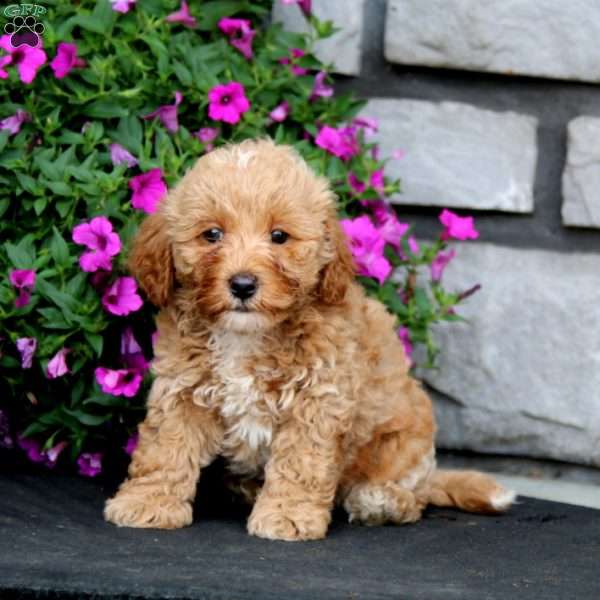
{"points": [[243, 286]]}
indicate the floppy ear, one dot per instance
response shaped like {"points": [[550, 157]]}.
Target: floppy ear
{"points": [[151, 261], [339, 272]]}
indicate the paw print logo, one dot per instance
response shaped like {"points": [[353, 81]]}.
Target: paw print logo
{"points": [[24, 30]]}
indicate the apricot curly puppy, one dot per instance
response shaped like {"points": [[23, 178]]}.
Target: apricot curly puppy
{"points": [[270, 355]]}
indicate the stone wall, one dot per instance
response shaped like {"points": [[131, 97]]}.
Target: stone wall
{"points": [[497, 106]]}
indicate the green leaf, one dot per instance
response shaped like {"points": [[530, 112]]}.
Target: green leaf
{"points": [[422, 302], [107, 400], [48, 168], [77, 391], [35, 427], [39, 205], [106, 109], [59, 250], [76, 285], [87, 419], [63, 207], [60, 188], [28, 183], [183, 73], [95, 341], [54, 319], [84, 172], [8, 362], [94, 131], [129, 133], [70, 137], [22, 255], [100, 21], [65, 302], [3, 139], [64, 159]]}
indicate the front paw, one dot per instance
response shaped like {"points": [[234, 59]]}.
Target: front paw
{"points": [[129, 509], [276, 520]]}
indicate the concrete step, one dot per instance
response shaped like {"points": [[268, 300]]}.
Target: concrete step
{"points": [[55, 544]]}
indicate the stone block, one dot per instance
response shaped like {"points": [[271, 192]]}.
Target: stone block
{"points": [[544, 38], [458, 155]]}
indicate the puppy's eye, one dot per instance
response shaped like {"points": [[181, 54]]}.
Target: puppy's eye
{"points": [[278, 236], [213, 235]]}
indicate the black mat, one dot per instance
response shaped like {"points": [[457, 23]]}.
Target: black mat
{"points": [[54, 544]]}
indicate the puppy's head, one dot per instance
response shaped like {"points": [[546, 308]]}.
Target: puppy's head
{"points": [[249, 235]]}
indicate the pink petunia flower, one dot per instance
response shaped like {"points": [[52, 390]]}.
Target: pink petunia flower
{"points": [[32, 448], [26, 59], [356, 184], [13, 123], [206, 135], [121, 298], [90, 464], [23, 281], [320, 90], [370, 125], [227, 102], [340, 142], [404, 335], [439, 264], [26, 347], [390, 228], [240, 34], [413, 245], [458, 228], [119, 382], [280, 112], [65, 60], [120, 155], [122, 6], [57, 367], [367, 246], [167, 113], [182, 16], [305, 5], [53, 453], [22, 278], [131, 352], [35, 454], [377, 182], [148, 190], [99, 237], [132, 443], [295, 69]]}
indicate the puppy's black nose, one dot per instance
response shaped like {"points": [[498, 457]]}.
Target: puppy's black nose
{"points": [[243, 285]]}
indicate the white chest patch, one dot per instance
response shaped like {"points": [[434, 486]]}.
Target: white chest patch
{"points": [[248, 422]]}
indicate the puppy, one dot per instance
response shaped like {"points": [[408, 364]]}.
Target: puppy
{"points": [[270, 355]]}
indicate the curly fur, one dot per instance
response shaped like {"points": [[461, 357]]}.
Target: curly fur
{"points": [[306, 388]]}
